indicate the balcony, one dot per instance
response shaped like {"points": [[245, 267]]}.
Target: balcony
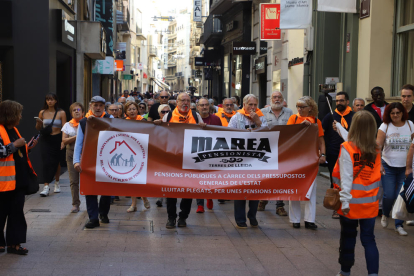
{"points": [[170, 77], [122, 17], [172, 63], [212, 32], [173, 35], [140, 35], [153, 51]]}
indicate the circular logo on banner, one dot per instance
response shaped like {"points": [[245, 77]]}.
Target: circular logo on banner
{"points": [[122, 157]]}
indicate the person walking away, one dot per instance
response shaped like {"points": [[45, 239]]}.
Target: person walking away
{"points": [[343, 114], [203, 107], [251, 118], [15, 177], [94, 209], [357, 172], [276, 115], [307, 112], [69, 131], [394, 136], [184, 115], [226, 112], [50, 122]]}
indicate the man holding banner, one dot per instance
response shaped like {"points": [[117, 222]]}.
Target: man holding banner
{"points": [[98, 110], [181, 114], [226, 112], [249, 117]]}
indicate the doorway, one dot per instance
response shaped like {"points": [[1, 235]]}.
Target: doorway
{"points": [[64, 83]]}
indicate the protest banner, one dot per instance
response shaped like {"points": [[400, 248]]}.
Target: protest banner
{"points": [[295, 14], [135, 158]]}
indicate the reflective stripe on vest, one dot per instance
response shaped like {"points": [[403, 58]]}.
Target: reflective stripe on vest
{"points": [[6, 163], [361, 200], [7, 178], [358, 186]]}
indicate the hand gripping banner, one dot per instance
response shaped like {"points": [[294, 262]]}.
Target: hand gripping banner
{"points": [[134, 158]]}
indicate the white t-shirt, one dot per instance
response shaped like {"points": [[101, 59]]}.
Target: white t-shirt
{"points": [[69, 130], [397, 143]]}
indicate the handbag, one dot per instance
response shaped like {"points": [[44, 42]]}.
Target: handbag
{"points": [[332, 201], [48, 129], [33, 185]]}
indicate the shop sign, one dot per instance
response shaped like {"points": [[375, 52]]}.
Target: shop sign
{"points": [[244, 48], [197, 11], [145, 76], [103, 40], [104, 67], [231, 26], [68, 30], [260, 65], [140, 66], [365, 10], [127, 77], [270, 22], [198, 61], [119, 65], [104, 13], [295, 61]]}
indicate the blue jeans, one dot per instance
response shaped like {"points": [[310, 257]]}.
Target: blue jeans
{"points": [[348, 240], [240, 210], [392, 182], [94, 209]]}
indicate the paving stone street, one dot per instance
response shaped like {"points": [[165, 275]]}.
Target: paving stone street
{"points": [[139, 244]]}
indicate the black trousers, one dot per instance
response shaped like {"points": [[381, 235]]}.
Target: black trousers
{"points": [[11, 210], [331, 159], [185, 207]]}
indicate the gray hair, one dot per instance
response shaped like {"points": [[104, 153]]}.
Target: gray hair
{"points": [[231, 99], [130, 99], [248, 97], [161, 107], [357, 99], [211, 101], [278, 92], [193, 105], [203, 99]]}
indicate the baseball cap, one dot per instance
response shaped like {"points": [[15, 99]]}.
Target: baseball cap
{"points": [[97, 99]]}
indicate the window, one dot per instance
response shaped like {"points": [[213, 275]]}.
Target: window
{"points": [[403, 72]]}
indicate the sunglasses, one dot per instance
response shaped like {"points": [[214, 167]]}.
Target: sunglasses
{"points": [[164, 111], [76, 109], [164, 97]]}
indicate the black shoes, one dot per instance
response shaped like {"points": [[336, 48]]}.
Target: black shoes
{"points": [[296, 225], [181, 223], [92, 224], [310, 225], [170, 224], [104, 218], [254, 222], [159, 203], [242, 225]]}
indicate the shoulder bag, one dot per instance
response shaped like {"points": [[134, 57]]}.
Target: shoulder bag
{"points": [[48, 129]]}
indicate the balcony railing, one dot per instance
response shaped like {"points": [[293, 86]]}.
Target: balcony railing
{"points": [[153, 51], [122, 17], [213, 31]]}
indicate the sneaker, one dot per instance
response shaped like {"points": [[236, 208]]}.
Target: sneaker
{"points": [[181, 222], [57, 187], [384, 221], [200, 209], [281, 211], [75, 209], [254, 222], [241, 225], [45, 191], [104, 218], [209, 204], [159, 203], [170, 224], [262, 205], [401, 231], [92, 224], [410, 222]]}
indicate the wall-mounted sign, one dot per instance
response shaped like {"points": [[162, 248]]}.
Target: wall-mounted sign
{"points": [[145, 76], [244, 48], [295, 61], [295, 14], [260, 65], [270, 22], [263, 47], [348, 6], [365, 10], [140, 66], [119, 65], [199, 61], [104, 13], [103, 40], [231, 26], [104, 67], [68, 30], [127, 77], [197, 11]]}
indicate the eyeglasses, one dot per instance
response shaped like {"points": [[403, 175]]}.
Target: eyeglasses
{"points": [[301, 107], [228, 105], [395, 113], [164, 111], [76, 109], [113, 110], [164, 97], [142, 107]]}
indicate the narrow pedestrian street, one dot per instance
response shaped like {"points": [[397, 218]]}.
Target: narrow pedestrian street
{"points": [[139, 244]]}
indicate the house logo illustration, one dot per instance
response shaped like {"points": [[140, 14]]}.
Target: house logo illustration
{"points": [[271, 13], [122, 157]]}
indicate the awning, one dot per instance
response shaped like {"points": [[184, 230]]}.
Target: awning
{"points": [[161, 84]]}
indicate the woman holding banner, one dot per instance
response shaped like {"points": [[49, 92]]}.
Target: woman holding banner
{"points": [[357, 171], [131, 111], [307, 112]]}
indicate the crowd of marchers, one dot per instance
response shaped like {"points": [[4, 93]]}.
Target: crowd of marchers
{"points": [[369, 167]]}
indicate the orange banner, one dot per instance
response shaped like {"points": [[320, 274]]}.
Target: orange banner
{"points": [[135, 158]]}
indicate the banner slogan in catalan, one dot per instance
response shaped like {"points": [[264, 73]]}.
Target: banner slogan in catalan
{"points": [[133, 158]]}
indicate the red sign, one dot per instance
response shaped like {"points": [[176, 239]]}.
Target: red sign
{"points": [[119, 65], [145, 76], [270, 22]]}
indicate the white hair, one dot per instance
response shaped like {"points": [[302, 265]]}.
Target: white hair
{"points": [[130, 99], [248, 97], [161, 107], [357, 99]]}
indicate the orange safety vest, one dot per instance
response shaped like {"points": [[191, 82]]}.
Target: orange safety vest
{"points": [[7, 165], [365, 202]]}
